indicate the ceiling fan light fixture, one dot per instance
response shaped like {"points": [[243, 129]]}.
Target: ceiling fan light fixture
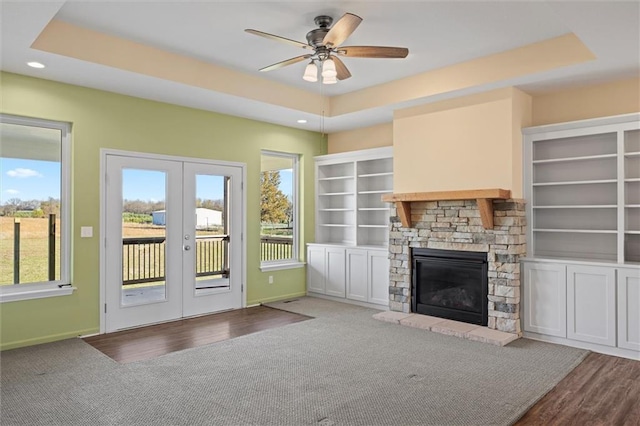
{"points": [[329, 69], [311, 72], [329, 80]]}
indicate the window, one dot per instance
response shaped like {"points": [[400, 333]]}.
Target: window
{"points": [[34, 208], [279, 210]]}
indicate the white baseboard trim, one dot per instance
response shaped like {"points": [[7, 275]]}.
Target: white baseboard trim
{"points": [[607, 350], [349, 301]]}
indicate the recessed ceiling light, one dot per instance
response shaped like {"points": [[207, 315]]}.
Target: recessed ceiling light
{"points": [[34, 64], [302, 121]]}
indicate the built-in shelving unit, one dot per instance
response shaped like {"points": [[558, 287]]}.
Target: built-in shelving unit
{"points": [[349, 259], [631, 163], [583, 190], [581, 276], [349, 186]]}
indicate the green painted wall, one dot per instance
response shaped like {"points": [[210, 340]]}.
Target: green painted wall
{"points": [[107, 120]]}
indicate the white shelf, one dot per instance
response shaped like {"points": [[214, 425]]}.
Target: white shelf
{"points": [[368, 175], [578, 231], [577, 182], [336, 178], [375, 191], [567, 159], [578, 177], [597, 206], [348, 202], [336, 193]]}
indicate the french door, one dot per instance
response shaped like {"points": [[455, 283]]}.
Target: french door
{"points": [[173, 239]]}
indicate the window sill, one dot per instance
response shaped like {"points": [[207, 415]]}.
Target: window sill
{"points": [[11, 295], [265, 267]]}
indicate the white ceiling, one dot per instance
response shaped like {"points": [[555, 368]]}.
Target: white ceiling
{"points": [[437, 34]]}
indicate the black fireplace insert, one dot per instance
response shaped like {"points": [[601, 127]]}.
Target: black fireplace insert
{"points": [[450, 284]]}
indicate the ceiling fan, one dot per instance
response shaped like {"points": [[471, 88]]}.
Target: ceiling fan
{"points": [[325, 42]]}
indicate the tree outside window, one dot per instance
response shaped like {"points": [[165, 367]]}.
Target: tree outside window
{"points": [[278, 207]]}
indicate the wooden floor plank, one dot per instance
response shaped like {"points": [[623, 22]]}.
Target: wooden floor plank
{"points": [[602, 390], [156, 340]]}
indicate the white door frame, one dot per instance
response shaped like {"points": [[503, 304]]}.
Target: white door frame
{"points": [[104, 152]]}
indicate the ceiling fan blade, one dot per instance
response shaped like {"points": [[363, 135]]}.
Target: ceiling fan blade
{"points": [[278, 38], [373, 52], [341, 30], [341, 68], [285, 63]]}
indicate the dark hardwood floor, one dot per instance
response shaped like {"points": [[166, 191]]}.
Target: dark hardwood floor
{"points": [[602, 390], [155, 340]]}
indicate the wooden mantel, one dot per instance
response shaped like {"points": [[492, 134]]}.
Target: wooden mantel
{"points": [[484, 198]]}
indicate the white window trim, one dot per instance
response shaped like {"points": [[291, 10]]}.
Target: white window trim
{"points": [[294, 262], [276, 265], [61, 287]]}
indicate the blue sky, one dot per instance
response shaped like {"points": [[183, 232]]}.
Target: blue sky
{"points": [[39, 180], [29, 179], [148, 185]]}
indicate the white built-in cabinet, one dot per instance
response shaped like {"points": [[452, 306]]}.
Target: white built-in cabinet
{"points": [[545, 299], [368, 276], [356, 274], [357, 280], [596, 307], [326, 270], [581, 276], [628, 310], [352, 226], [591, 304], [316, 268]]}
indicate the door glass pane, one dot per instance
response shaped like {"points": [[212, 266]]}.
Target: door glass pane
{"points": [[212, 239], [144, 234]]}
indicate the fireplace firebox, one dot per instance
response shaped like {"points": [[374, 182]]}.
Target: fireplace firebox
{"points": [[450, 284]]}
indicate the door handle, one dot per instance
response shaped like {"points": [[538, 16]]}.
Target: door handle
{"points": [[187, 248]]}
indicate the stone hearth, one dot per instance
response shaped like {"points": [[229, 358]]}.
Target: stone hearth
{"points": [[456, 225]]}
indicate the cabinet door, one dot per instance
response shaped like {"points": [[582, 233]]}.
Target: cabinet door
{"points": [[545, 299], [357, 275], [591, 304], [315, 269], [378, 276], [629, 309], [335, 278]]}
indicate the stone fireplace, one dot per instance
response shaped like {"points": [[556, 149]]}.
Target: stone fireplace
{"points": [[458, 226]]}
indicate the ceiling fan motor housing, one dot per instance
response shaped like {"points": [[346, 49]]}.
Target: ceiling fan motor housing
{"points": [[315, 37]]}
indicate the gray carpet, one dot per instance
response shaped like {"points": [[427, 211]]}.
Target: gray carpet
{"points": [[340, 368]]}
